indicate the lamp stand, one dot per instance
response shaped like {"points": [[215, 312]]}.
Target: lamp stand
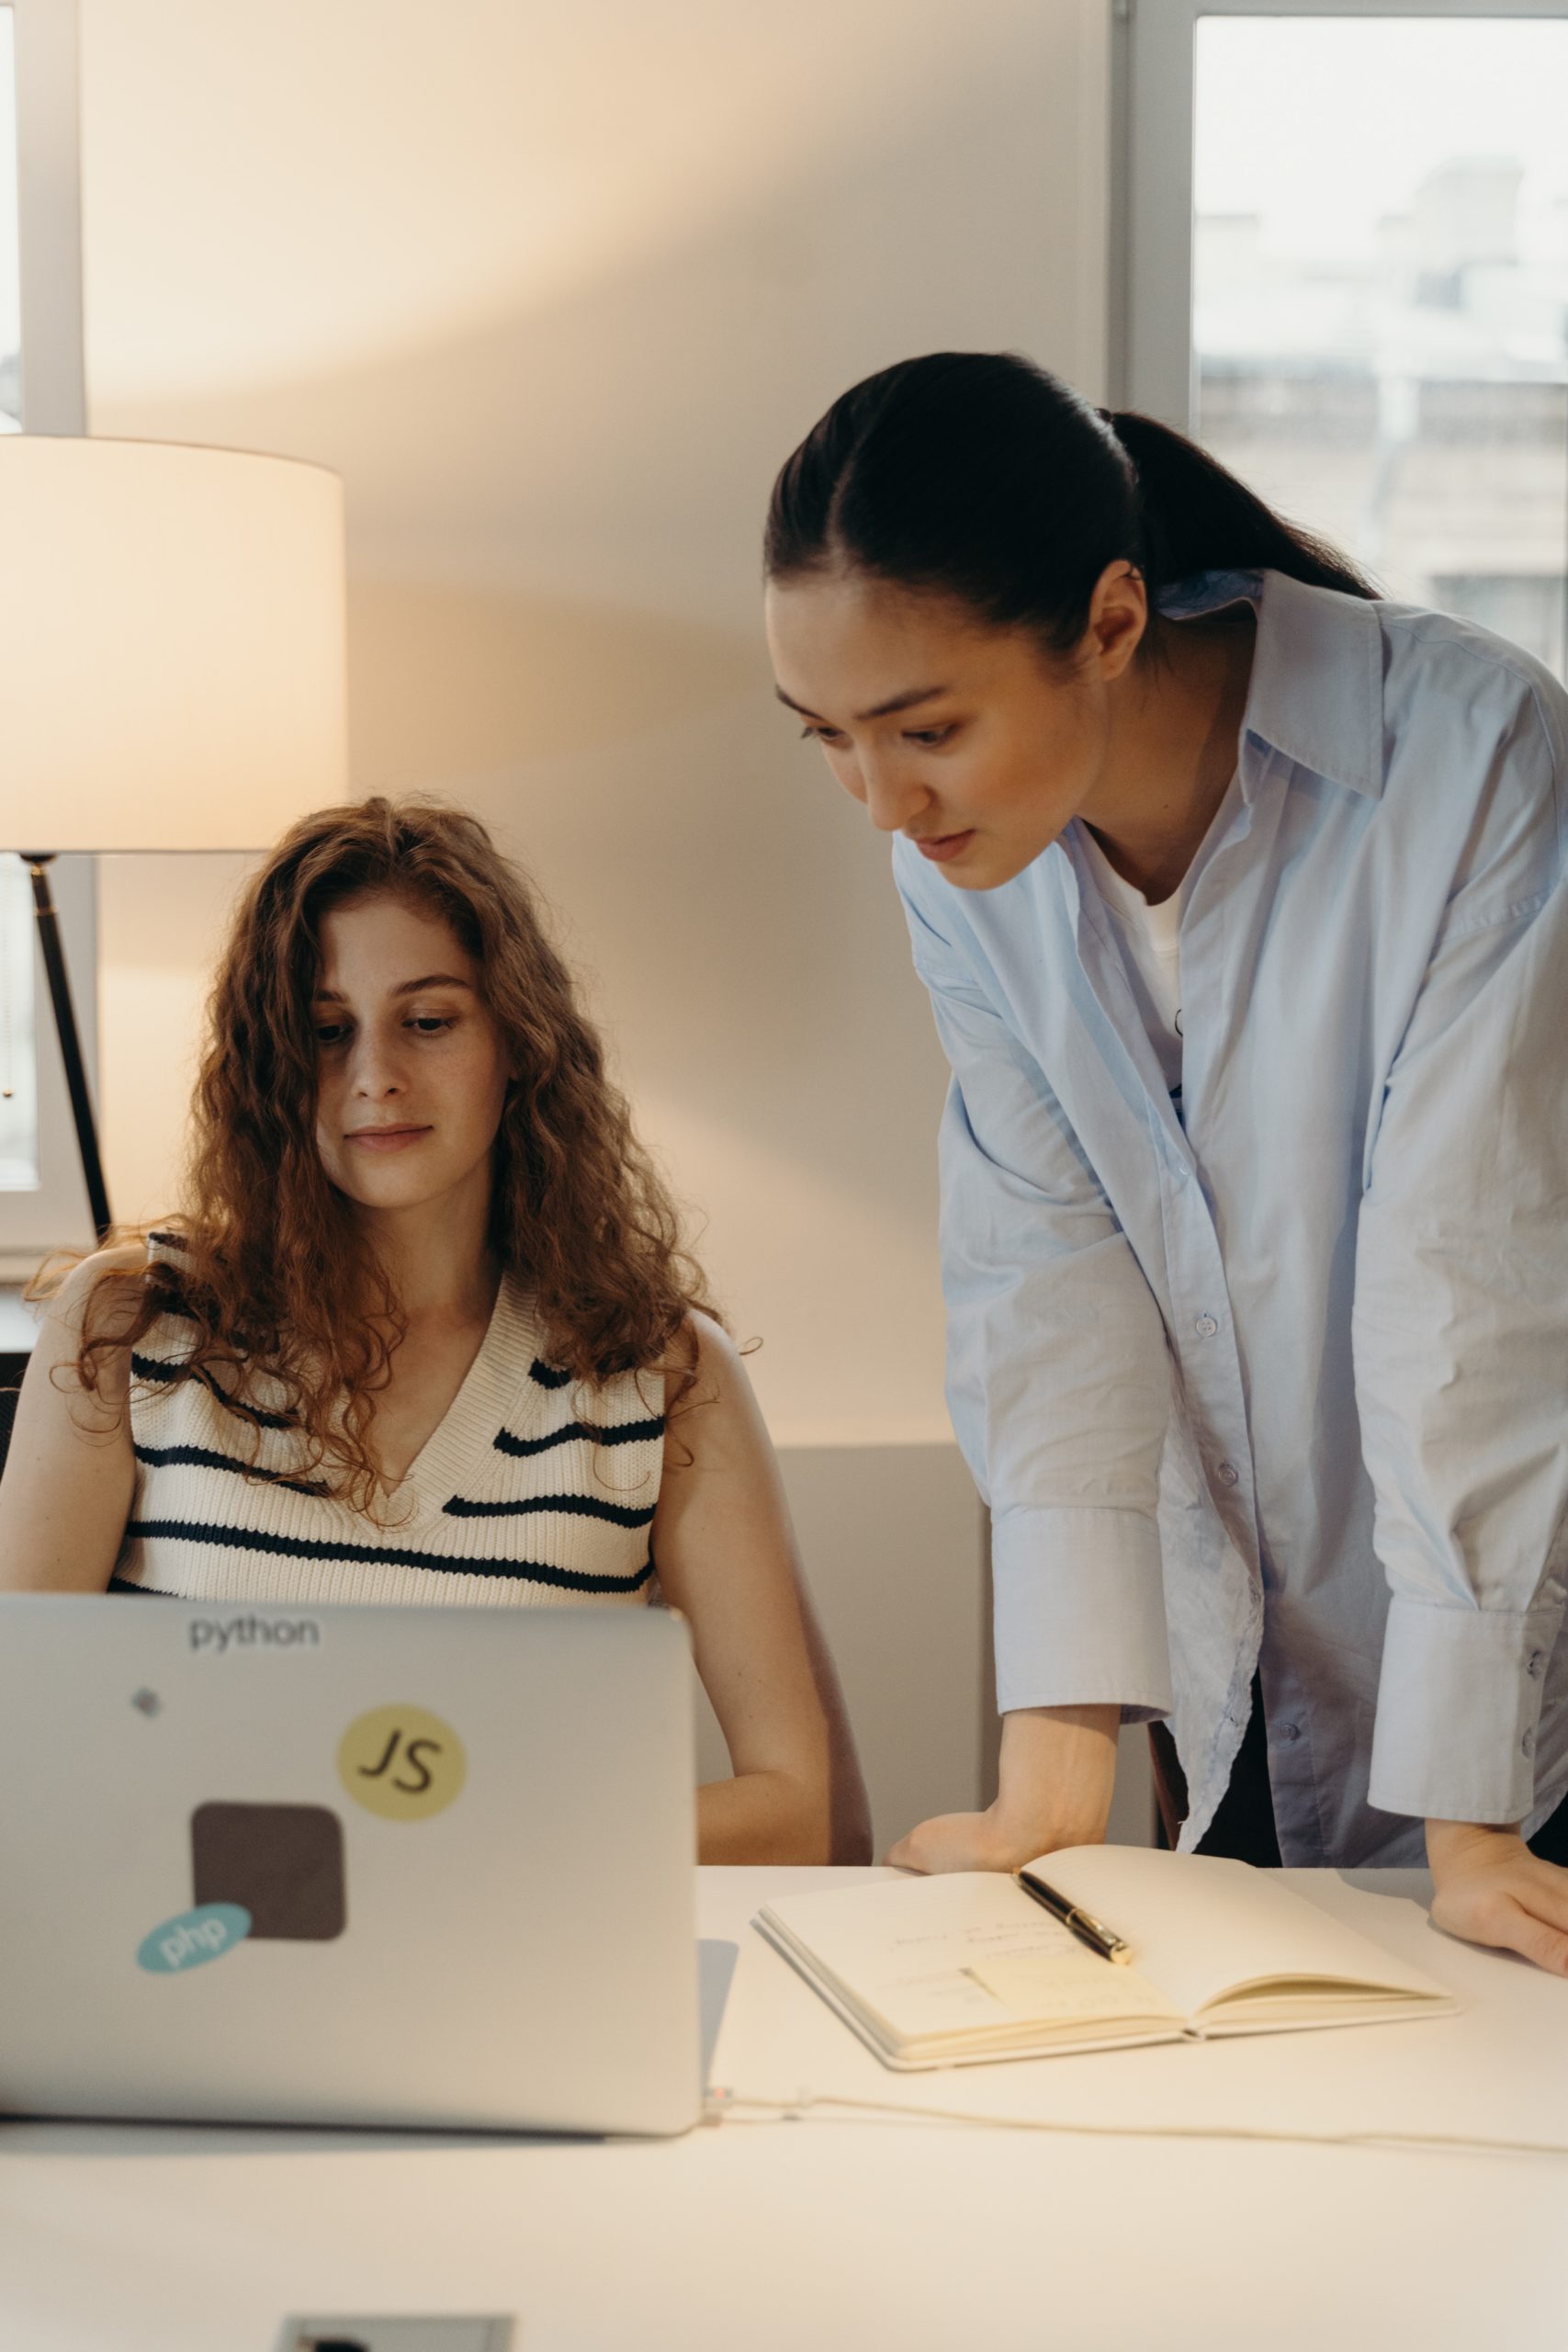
{"points": [[38, 862]]}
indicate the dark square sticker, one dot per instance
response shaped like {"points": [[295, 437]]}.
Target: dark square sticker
{"points": [[284, 1862]]}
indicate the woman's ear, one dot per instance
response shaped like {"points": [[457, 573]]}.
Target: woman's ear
{"points": [[1119, 616]]}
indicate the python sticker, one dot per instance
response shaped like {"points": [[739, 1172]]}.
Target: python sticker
{"points": [[401, 1762], [193, 1938]]}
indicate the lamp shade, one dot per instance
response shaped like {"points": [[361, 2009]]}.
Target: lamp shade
{"points": [[172, 644]]}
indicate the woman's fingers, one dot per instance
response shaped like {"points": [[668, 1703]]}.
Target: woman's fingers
{"points": [[1494, 1890], [1538, 1939], [952, 1841]]}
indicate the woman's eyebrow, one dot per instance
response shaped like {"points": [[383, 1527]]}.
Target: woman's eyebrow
{"points": [[906, 701], [404, 988]]}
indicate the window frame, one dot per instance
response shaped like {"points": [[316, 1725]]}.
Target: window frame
{"points": [[1151, 365], [48, 215]]}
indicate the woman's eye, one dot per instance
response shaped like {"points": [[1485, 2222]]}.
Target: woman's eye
{"points": [[820, 735], [929, 737], [331, 1033], [430, 1024]]}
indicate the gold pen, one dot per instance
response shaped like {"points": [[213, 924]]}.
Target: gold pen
{"points": [[1089, 1930]]}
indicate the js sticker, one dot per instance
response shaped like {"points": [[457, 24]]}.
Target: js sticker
{"points": [[401, 1762]]}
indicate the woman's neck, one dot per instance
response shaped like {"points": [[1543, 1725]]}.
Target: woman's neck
{"points": [[437, 1256], [1171, 751]]}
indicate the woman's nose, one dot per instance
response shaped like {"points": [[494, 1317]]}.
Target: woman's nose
{"points": [[890, 799], [375, 1069]]}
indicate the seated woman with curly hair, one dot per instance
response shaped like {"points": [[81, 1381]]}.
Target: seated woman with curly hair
{"points": [[426, 1331]]}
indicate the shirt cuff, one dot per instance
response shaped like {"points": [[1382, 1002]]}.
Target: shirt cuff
{"points": [[1079, 1607], [1458, 1702]]}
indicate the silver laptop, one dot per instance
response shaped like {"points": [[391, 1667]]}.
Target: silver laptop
{"points": [[401, 1866]]}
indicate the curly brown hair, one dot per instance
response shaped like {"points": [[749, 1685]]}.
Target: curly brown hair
{"points": [[283, 1301]]}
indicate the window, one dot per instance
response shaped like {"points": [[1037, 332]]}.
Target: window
{"points": [[18, 1051], [42, 1198], [1358, 297], [10, 251]]}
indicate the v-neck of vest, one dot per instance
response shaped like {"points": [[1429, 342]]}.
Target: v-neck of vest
{"points": [[461, 1445]]}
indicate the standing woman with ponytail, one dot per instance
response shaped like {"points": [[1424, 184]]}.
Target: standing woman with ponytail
{"points": [[1239, 895]]}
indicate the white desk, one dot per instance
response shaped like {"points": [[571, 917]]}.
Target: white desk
{"points": [[846, 2233]]}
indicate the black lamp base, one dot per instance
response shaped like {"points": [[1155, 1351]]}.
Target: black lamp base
{"points": [[38, 862]]}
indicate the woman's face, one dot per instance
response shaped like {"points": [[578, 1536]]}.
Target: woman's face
{"points": [[413, 1069], [966, 738]]}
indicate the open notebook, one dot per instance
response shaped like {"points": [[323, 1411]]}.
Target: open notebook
{"points": [[941, 1971]]}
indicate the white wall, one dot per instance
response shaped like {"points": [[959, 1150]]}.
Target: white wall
{"points": [[893, 1538], [557, 293]]}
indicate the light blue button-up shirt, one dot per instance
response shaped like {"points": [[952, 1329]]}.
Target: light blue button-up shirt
{"points": [[1284, 1384]]}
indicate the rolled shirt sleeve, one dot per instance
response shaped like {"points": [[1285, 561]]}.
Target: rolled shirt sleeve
{"points": [[1460, 1320], [1058, 1376]]}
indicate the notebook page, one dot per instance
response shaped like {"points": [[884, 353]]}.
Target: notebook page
{"points": [[1200, 1927], [921, 1955]]}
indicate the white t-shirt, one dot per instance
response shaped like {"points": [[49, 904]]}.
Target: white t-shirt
{"points": [[1151, 939], [1151, 942]]}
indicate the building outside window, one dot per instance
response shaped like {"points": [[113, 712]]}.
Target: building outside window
{"points": [[1380, 295], [1339, 259]]}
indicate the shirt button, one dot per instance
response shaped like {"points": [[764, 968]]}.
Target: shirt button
{"points": [[1288, 1732], [1205, 1326], [1226, 1473], [1536, 1664]]}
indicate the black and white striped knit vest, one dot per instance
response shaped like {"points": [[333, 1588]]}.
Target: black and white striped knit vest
{"points": [[531, 1490]]}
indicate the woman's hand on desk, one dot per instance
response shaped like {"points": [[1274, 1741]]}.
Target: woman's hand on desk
{"points": [[1490, 1889], [1058, 1771]]}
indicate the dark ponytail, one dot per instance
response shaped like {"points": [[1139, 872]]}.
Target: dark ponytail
{"points": [[980, 476]]}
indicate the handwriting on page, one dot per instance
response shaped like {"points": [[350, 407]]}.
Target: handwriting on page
{"points": [[1057, 1986], [951, 1979]]}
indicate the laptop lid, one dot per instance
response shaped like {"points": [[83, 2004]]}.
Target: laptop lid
{"points": [[347, 1865]]}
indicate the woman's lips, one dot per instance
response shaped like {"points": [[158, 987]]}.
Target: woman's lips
{"points": [[388, 1138], [946, 845]]}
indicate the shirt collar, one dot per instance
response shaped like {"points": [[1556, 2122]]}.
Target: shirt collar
{"points": [[1317, 689]]}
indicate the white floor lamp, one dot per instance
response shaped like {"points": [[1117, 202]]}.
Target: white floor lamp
{"points": [[172, 665]]}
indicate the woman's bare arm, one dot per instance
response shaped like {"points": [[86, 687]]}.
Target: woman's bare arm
{"points": [[70, 1474], [727, 1560]]}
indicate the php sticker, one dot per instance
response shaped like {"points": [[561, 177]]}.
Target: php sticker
{"points": [[401, 1762], [193, 1939]]}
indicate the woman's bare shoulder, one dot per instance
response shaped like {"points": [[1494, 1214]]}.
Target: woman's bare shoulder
{"points": [[715, 1351], [715, 1417], [70, 1469], [95, 1299]]}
